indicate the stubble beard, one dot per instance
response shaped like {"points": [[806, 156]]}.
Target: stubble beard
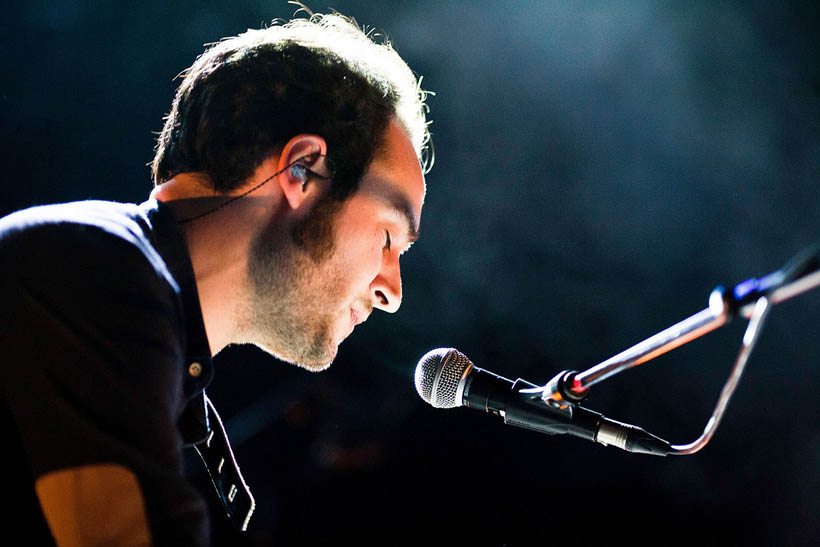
{"points": [[294, 291]]}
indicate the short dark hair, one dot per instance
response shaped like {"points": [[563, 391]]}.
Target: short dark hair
{"points": [[246, 96]]}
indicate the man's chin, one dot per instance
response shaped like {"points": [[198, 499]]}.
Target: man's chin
{"points": [[313, 363], [314, 367]]}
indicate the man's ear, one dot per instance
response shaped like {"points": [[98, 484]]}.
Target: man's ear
{"points": [[307, 151]]}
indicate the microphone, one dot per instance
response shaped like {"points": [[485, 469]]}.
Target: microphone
{"points": [[446, 378]]}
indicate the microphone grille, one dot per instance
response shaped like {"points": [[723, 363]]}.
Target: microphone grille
{"points": [[439, 375]]}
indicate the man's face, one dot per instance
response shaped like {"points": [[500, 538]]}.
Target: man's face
{"points": [[306, 299]]}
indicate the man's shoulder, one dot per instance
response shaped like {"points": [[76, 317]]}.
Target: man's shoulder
{"points": [[116, 234], [92, 255], [72, 219]]}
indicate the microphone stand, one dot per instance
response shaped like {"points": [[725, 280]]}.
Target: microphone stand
{"points": [[752, 299]]}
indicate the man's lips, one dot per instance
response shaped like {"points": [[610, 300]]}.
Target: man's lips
{"points": [[357, 317]]}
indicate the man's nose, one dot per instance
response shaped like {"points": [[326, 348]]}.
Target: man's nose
{"points": [[385, 289]]}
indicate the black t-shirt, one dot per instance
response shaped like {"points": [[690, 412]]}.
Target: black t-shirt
{"points": [[100, 325]]}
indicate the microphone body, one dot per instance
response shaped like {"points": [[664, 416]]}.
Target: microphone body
{"points": [[446, 378]]}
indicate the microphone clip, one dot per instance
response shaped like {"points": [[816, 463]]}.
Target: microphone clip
{"points": [[562, 392]]}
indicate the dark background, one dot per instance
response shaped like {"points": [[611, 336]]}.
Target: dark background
{"points": [[600, 167]]}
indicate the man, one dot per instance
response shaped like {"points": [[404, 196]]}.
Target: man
{"points": [[288, 180]]}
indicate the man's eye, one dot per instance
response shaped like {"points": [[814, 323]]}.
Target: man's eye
{"points": [[387, 242]]}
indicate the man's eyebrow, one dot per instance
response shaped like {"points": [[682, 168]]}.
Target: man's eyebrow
{"points": [[399, 202]]}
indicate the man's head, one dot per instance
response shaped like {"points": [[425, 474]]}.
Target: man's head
{"points": [[319, 257], [307, 294], [245, 97]]}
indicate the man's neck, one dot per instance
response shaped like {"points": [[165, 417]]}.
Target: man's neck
{"points": [[219, 240]]}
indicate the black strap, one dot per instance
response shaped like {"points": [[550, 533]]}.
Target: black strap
{"points": [[217, 456]]}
